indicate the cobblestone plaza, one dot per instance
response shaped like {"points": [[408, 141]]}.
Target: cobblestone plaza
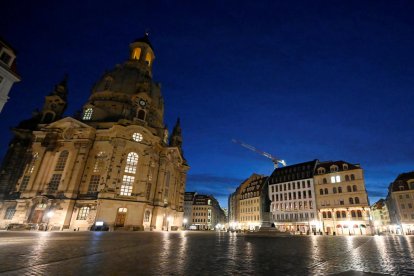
{"points": [[201, 253]]}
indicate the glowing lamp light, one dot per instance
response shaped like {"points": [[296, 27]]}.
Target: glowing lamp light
{"points": [[185, 221], [169, 219], [50, 214], [99, 223]]}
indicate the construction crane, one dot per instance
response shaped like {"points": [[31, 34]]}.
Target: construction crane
{"points": [[275, 160]]}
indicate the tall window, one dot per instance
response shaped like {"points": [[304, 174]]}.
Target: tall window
{"points": [[87, 114], [33, 162], [83, 213], [354, 188], [99, 162], [339, 189], [136, 53], [10, 213], [352, 177], [93, 184], [61, 163], [348, 189], [147, 216], [357, 200], [24, 183], [131, 163], [54, 183], [351, 200], [127, 184], [166, 186]]}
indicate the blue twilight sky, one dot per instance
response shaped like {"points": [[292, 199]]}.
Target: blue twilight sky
{"points": [[331, 80]]}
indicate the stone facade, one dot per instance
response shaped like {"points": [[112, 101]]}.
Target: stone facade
{"points": [[292, 195], [341, 198], [380, 217], [206, 213], [400, 203], [112, 167], [248, 208]]}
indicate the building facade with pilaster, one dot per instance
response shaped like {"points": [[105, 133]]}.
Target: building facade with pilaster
{"points": [[113, 166]]}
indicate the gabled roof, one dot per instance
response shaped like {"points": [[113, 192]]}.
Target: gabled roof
{"points": [[327, 164], [401, 182]]}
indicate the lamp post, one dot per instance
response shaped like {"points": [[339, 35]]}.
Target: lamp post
{"points": [[185, 223]]}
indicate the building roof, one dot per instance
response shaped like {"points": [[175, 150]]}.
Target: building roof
{"points": [[254, 186], [144, 39], [401, 182], [293, 172], [327, 164]]}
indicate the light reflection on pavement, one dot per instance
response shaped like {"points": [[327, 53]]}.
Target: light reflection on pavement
{"points": [[201, 253]]}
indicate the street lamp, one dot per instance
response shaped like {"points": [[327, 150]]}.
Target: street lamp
{"points": [[185, 223]]}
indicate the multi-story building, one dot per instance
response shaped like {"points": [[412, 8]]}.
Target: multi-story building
{"points": [[188, 208], [292, 195], [206, 213], [400, 202], [341, 198], [251, 209], [113, 166], [8, 72], [380, 217], [233, 209]]}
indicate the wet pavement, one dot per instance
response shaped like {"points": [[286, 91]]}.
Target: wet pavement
{"points": [[201, 253]]}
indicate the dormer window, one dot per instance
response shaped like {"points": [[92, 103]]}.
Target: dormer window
{"points": [[87, 114], [334, 168], [321, 171], [136, 53], [108, 83], [6, 58], [345, 167]]}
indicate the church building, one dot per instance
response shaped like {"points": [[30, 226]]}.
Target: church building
{"points": [[113, 166]]}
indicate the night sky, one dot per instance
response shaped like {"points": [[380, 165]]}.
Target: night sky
{"points": [[327, 80]]}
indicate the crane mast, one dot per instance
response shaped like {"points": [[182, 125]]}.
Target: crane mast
{"points": [[276, 161]]}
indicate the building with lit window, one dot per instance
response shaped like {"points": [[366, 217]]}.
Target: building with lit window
{"points": [[114, 166], [341, 198], [292, 196], [188, 208], [206, 213], [8, 72], [400, 203], [380, 217], [247, 206]]}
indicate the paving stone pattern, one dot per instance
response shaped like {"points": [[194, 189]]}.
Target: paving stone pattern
{"points": [[201, 253]]}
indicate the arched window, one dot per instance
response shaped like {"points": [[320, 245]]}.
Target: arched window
{"points": [[357, 200], [351, 200], [338, 214], [334, 190], [352, 177], [353, 214], [83, 213], [346, 177], [321, 191], [147, 216], [340, 190], [348, 189], [359, 213], [354, 188], [87, 114], [61, 162], [326, 191], [324, 214], [148, 59], [136, 53], [131, 163], [324, 181], [141, 114], [329, 214], [108, 83], [48, 117], [343, 214]]}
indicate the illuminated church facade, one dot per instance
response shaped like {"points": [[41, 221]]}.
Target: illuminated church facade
{"points": [[113, 166]]}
